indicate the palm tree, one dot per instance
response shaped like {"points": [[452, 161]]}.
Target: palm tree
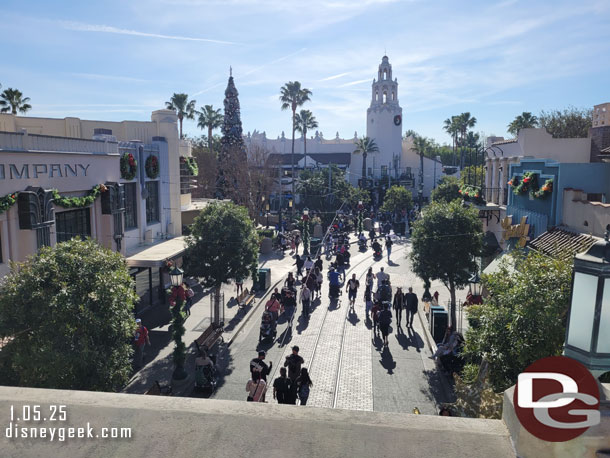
{"points": [[451, 126], [421, 145], [211, 119], [523, 121], [184, 108], [305, 121], [365, 145], [293, 96], [12, 100], [465, 122]]}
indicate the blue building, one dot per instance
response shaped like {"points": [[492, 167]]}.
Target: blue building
{"points": [[544, 210]]}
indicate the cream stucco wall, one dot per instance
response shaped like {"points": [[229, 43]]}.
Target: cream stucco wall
{"points": [[577, 210]]}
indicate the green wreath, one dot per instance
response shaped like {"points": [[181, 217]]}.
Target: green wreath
{"points": [[129, 166], [7, 202], [529, 183], [152, 167], [545, 190]]}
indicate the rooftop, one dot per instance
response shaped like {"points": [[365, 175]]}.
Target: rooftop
{"points": [[563, 244]]}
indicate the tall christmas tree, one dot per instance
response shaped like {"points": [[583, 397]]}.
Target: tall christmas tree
{"points": [[233, 180]]}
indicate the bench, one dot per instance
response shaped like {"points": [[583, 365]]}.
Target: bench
{"points": [[245, 298], [209, 337], [158, 390]]}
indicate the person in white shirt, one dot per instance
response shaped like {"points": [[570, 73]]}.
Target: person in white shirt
{"points": [[381, 276], [305, 299], [308, 264]]}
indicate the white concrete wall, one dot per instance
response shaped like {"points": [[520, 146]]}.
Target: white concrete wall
{"points": [[577, 210]]}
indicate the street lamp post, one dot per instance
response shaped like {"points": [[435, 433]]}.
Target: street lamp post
{"points": [[177, 300], [306, 231], [360, 208], [267, 214], [589, 315]]}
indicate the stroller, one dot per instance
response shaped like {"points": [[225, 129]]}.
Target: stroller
{"points": [[205, 372], [268, 329]]}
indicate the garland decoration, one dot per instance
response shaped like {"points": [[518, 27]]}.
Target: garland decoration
{"points": [[191, 165], [152, 166], [78, 202], [529, 183], [7, 202], [545, 190], [129, 166], [471, 193]]}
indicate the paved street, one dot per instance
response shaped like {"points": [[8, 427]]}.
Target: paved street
{"points": [[349, 367]]}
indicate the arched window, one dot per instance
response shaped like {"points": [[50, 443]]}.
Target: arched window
{"points": [[393, 95], [385, 74], [377, 96], [385, 97]]}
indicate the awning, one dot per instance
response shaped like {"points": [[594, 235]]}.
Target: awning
{"points": [[156, 255], [494, 266]]}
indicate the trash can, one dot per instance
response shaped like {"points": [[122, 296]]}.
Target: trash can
{"points": [[439, 319], [314, 245], [399, 228], [264, 279]]}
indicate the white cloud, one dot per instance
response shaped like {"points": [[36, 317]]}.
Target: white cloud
{"points": [[82, 27]]}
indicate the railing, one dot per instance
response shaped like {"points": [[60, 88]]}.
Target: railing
{"points": [[187, 181]]}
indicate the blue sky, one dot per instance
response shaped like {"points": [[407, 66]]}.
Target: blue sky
{"points": [[116, 60]]}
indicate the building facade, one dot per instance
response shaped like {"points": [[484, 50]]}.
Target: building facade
{"points": [[129, 173], [384, 122]]}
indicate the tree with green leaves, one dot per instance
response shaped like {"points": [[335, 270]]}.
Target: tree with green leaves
{"points": [[569, 123], [222, 246], [12, 101], [525, 120], [446, 242], [464, 122], [292, 96], [472, 174], [319, 193], [210, 119], [397, 199], [184, 108], [447, 190], [523, 318], [365, 146], [67, 316], [305, 121], [450, 125]]}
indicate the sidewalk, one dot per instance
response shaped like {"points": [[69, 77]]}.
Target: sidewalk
{"points": [[158, 363]]}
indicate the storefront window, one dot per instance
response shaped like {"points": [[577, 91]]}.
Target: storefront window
{"points": [[73, 223], [131, 206], [152, 202]]}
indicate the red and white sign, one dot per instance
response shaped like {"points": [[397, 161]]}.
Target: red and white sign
{"points": [[557, 399]]}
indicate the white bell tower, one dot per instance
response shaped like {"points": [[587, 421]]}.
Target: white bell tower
{"points": [[384, 122]]}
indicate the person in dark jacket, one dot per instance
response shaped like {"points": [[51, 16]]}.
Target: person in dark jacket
{"points": [[385, 319], [398, 304], [299, 263], [412, 303]]}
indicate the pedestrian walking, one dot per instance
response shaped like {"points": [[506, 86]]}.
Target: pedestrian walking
{"points": [[319, 281], [281, 387], [239, 285], [352, 290], [299, 263], [293, 363], [388, 246], [308, 264], [305, 298], [368, 301], [381, 276], [412, 302], [188, 293], [259, 365], [318, 264], [304, 383], [140, 340], [375, 314], [297, 242], [369, 280], [256, 388], [385, 319], [385, 292], [398, 306]]}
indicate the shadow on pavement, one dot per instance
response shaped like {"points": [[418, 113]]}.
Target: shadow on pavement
{"points": [[303, 322], [352, 316], [387, 361], [439, 386]]}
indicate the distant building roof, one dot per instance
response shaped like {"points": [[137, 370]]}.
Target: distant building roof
{"points": [[323, 158], [562, 244], [504, 142]]}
